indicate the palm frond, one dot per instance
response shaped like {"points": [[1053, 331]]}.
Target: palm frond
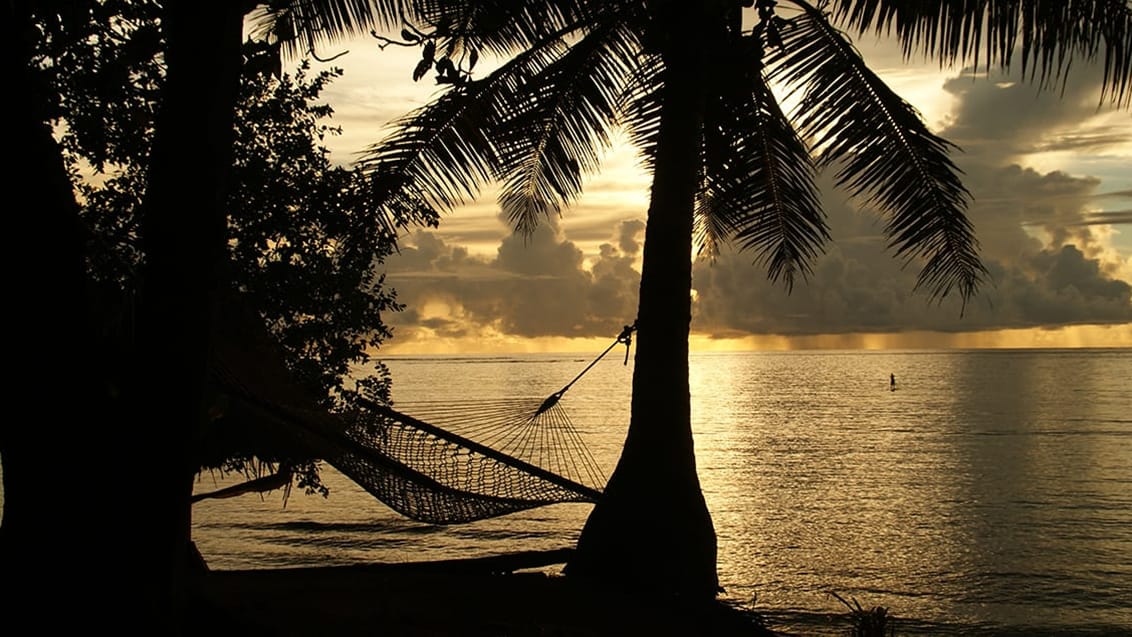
{"points": [[300, 26], [442, 154], [438, 154], [711, 230], [499, 27], [1052, 34], [884, 152], [557, 123], [758, 183], [640, 106]]}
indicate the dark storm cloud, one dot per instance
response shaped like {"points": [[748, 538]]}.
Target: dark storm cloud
{"points": [[1047, 278], [628, 236], [1108, 217], [534, 286], [594, 228], [429, 254], [1010, 199], [1035, 231], [1056, 286], [1098, 139], [858, 287], [1003, 117], [1007, 117]]}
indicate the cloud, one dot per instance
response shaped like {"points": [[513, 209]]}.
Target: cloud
{"points": [[1041, 235], [535, 286], [1107, 217], [1046, 237], [998, 115], [1000, 122], [858, 288]]}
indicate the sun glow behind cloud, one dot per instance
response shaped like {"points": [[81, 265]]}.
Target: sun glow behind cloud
{"points": [[1062, 337], [453, 312], [490, 341]]}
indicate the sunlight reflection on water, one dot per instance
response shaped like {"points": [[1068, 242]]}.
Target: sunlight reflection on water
{"points": [[991, 492]]}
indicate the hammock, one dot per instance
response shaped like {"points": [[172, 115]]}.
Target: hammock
{"points": [[537, 431], [525, 456]]}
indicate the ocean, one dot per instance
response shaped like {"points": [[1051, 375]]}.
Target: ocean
{"points": [[990, 493]]}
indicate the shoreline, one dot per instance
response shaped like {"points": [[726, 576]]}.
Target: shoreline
{"points": [[475, 597]]}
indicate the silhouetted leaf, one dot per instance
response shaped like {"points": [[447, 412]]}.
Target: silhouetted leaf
{"points": [[884, 152], [758, 186], [1048, 36], [421, 69], [558, 122]]}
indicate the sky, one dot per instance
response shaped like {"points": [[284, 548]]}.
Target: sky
{"points": [[1050, 175]]}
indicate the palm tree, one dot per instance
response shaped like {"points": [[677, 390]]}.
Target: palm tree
{"points": [[698, 86], [575, 68]]}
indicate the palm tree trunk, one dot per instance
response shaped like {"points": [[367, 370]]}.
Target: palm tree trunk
{"points": [[651, 530]]}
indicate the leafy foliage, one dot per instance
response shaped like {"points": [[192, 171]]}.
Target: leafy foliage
{"points": [[570, 71], [1046, 34], [540, 121], [102, 67], [304, 242], [867, 622], [305, 245]]}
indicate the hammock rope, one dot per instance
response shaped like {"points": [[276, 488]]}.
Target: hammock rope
{"points": [[450, 464], [537, 431]]}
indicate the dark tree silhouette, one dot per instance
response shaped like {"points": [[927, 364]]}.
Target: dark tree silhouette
{"points": [[690, 80], [152, 419], [303, 249]]}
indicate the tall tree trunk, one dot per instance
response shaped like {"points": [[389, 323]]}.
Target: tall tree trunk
{"points": [[79, 529], [183, 230], [651, 530], [52, 452]]}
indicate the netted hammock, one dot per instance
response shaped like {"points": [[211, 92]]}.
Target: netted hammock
{"points": [[434, 475], [491, 458]]}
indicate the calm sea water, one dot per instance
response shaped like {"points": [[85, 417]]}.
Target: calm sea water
{"points": [[990, 494]]}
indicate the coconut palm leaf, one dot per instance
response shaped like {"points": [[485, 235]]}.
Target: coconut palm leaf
{"points": [[301, 26], [1052, 33], [640, 107], [535, 124], [445, 152], [499, 27], [759, 177], [711, 230], [558, 123], [440, 154], [883, 151]]}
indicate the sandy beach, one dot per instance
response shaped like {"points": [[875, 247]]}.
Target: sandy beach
{"points": [[444, 598]]}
